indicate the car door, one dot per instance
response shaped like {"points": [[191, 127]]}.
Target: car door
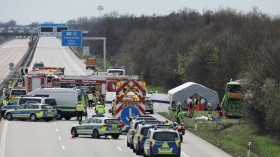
{"points": [[19, 112], [83, 128]]}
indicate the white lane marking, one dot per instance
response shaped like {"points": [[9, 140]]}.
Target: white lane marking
{"points": [[56, 130], [59, 137], [184, 154], [54, 123], [119, 148], [63, 147], [111, 139], [3, 139]]}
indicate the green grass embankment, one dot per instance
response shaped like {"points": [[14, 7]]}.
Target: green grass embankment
{"points": [[233, 135]]}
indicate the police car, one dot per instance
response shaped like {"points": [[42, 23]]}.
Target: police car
{"points": [[32, 111], [140, 137], [162, 142], [98, 126], [133, 126]]}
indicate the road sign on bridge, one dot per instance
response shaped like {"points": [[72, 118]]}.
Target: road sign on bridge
{"points": [[71, 38]]}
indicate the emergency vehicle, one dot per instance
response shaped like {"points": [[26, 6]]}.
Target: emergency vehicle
{"points": [[98, 126], [162, 142], [42, 77], [126, 105]]}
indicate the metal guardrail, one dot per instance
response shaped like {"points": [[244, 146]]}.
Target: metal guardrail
{"points": [[31, 50]]}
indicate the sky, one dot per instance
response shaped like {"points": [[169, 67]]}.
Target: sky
{"points": [[60, 11]]}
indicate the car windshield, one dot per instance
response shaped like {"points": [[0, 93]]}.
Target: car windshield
{"points": [[18, 92], [165, 136], [112, 121], [144, 131]]}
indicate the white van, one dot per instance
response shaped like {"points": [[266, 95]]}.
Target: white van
{"points": [[66, 99]]}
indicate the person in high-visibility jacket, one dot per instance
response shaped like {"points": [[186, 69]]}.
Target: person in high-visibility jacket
{"points": [[10, 85], [100, 109], [80, 110], [179, 116], [5, 101], [90, 100]]}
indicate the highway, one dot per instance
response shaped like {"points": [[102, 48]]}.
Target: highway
{"points": [[51, 53], [11, 51], [53, 139]]}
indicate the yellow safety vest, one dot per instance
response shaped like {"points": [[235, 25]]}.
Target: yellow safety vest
{"points": [[100, 109], [80, 107], [90, 96], [5, 102]]}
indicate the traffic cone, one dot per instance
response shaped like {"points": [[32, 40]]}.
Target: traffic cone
{"points": [[219, 144]]}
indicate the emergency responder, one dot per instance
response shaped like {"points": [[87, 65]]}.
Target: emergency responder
{"points": [[190, 108], [202, 104], [219, 110], [80, 110], [179, 115], [10, 85], [100, 109], [5, 101], [90, 100]]}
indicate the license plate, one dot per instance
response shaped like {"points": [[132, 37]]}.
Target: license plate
{"points": [[164, 149]]}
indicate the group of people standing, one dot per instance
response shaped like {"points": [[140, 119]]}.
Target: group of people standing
{"points": [[191, 104]]}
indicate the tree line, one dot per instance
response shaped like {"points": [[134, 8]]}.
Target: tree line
{"points": [[208, 48]]}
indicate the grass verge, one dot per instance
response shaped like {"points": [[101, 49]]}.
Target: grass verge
{"points": [[233, 135]]}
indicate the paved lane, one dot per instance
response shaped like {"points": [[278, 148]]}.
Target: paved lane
{"points": [[51, 53], [11, 51]]}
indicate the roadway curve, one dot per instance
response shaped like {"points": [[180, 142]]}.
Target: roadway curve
{"points": [[11, 51], [51, 53]]}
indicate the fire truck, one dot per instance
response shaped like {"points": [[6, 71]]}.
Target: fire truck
{"points": [[42, 77], [130, 99], [90, 83]]}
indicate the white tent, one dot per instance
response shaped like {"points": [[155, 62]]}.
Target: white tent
{"points": [[182, 92]]}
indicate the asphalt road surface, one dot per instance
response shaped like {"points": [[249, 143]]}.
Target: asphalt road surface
{"points": [[11, 51], [51, 53], [53, 139]]}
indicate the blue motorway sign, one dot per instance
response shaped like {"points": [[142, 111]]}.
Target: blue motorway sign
{"points": [[127, 112], [71, 38]]}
